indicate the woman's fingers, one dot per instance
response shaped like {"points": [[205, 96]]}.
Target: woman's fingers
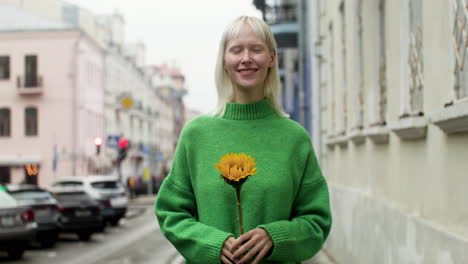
{"points": [[227, 254], [255, 242], [262, 254], [240, 240], [225, 260], [244, 248], [250, 254]]}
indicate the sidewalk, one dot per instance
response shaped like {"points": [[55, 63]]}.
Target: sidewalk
{"points": [[142, 200], [139, 204]]}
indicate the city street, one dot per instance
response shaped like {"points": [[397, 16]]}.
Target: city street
{"points": [[137, 240]]}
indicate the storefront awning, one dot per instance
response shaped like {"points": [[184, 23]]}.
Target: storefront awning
{"points": [[19, 160]]}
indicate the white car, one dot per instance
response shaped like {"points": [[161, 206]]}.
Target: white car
{"points": [[107, 190]]}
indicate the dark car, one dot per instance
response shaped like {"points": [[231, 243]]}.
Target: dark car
{"points": [[17, 226], [80, 213], [45, 208], [106, 190]]}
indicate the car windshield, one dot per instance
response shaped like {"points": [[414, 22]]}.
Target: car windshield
{"points": [[32, 195], [106, 185], [71, 196], [6, 200]]}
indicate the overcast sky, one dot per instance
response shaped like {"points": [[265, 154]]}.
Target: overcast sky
{"points": [[184, 32]]}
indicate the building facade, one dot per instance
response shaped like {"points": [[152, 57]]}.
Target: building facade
{"points": [[103, 86], [393, 142], [51, 101]]}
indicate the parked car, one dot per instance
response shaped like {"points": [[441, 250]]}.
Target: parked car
{"points": [[46, 210], [106, 190], [17, 226], [80, 213]]}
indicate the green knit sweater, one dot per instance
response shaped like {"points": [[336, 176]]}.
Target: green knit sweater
{"points": [[288, 197]]}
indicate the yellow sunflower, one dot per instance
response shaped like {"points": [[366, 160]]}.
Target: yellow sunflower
{"points": [[236, 167]]}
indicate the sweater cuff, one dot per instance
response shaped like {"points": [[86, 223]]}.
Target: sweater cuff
{"points": [[279, 236], [215, 245]]}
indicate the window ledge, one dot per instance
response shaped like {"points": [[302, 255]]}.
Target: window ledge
{"points": [[357, 136], [330, 142], [412, 127], [453, 119], [378, 134], [341, 141], [30, 90]]}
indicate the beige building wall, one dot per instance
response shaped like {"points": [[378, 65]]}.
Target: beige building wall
{"points": [[398, 171]]}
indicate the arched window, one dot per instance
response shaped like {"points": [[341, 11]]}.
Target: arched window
{"points": [[5, 123], [30, 126]]}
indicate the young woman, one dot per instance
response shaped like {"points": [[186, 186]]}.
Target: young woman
{"points": [[250, 141]]}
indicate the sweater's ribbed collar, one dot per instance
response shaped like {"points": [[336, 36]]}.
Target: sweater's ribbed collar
{"points": [[249, 111]]}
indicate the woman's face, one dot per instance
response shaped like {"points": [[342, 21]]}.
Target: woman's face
{"points": [[247, 60]]}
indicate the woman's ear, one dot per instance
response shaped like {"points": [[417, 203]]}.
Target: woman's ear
{"points": [[272, 59]]}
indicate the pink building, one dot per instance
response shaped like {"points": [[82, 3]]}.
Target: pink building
{"points": [[51, 98]]}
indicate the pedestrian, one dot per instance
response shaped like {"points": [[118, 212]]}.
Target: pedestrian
{"points": [[248, 142]]}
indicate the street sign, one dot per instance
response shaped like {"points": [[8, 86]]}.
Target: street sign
{"points": [[146, 174], [126, 102]]}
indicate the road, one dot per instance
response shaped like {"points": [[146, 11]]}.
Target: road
{"points": [[137, 240]]}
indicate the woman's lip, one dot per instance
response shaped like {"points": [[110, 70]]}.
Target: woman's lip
{"points": [[247, 72]]}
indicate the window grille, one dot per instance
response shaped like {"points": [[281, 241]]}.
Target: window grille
{"points": [[382, 93], [416, 91], [460, 28], [359, 95]]}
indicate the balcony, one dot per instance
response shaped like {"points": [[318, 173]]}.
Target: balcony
{"points": [[31, 85], [282, 18]]}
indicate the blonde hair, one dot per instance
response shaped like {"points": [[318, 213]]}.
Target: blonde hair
{"points": [[224, 84]]}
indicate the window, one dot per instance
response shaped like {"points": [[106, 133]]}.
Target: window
{"points": [[5, 122], [460, 31], [30, 71], [379, 93], [30, 126], [359, 93], [331, 81], [344, 81], [4, 67], [411, 60]]}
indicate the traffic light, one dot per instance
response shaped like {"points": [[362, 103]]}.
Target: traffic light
{"points": [[98, 143], [123, 147]]}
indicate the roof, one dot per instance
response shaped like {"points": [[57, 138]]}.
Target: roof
{"points": [[16, 19]]}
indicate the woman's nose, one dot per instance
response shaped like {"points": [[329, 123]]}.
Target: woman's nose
{"points": [[246, 58]]}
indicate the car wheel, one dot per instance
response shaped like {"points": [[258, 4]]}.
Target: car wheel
{"points": [[114, 222], [49, 240], [102, 227], [84, 236], [16, 253]]}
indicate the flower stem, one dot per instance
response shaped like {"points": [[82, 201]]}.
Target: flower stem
{"points": [[239, 209]]}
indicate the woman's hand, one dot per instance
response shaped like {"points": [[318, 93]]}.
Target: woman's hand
{"points": [[255, 242], [226, 256]]}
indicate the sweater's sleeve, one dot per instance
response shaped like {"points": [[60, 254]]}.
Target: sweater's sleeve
{"points": [[302, 236], [176, 210]]}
